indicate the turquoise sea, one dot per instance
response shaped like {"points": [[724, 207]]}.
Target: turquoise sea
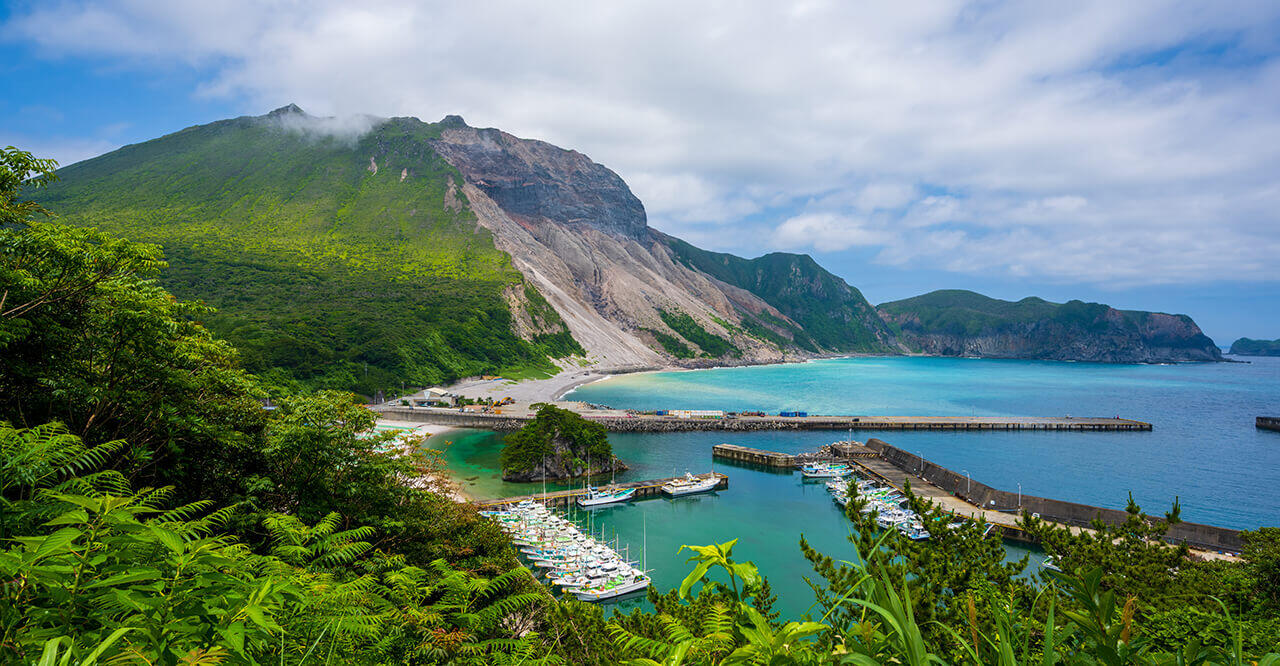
{"points": [[1203, 448]]}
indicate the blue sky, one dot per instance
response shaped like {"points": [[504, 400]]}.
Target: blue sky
{"points": [[1126, 153]]}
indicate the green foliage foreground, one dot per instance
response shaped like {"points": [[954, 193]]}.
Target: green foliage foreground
{"points": [[151, 512]]}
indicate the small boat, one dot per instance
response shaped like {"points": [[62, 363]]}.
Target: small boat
{"points": [[690, 484], [601, 497], [614, 587], [891, 519], [1051, 564], [914, 530], [825, 471]]}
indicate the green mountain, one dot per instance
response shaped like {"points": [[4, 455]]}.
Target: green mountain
{"points": [[1251, 347], [963, 323], [831, 315], [335, 256], [365, 253], [368, 253]]}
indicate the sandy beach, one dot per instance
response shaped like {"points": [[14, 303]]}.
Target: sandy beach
{"points": [[528, 390]]}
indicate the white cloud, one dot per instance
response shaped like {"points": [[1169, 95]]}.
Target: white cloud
{"points": [[828, 232], [64, 150], [1086, 141]]}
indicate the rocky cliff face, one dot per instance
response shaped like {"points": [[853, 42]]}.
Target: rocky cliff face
{"points": [[956, 323], [575, 230], [534, 181]]}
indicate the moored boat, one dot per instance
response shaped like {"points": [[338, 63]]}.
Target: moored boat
{"points": [[825, 470], [690, 484], [602, 497]]}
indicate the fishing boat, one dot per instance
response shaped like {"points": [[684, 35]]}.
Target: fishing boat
{"points": [[690, 484], [825, 470], [914, 530], [613, 587], [601, 497]]}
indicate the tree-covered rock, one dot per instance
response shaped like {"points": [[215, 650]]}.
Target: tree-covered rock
{"points": [[558, 444]]}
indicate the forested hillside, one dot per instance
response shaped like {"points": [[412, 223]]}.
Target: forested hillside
{"points": [[833, 316], [335, 256]]}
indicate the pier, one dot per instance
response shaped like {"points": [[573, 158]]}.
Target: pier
{"points": [[743, 454], [514, 417], [563, 498], [1268, 423]]}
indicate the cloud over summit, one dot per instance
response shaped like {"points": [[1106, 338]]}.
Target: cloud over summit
{"points": [[1134, 143]]}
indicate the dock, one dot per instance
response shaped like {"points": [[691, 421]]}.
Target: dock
{"points": [[1268, 423], [563, 498], [616, 420]]}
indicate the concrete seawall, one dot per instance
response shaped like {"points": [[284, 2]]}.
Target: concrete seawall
{"points": [[1268, 423], [645, 423], [977, 493]]}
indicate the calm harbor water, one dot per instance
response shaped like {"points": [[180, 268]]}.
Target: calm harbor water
{"points": [[1204, 447]]}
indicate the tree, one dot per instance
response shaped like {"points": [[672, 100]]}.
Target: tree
{"points": [[89, 339], [19, 171]]}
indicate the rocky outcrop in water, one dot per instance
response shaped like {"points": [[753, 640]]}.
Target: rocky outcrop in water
{"points": [[556, 445]]}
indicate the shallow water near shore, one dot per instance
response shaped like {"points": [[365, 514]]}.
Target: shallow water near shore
{"points": [[1204, 448]]}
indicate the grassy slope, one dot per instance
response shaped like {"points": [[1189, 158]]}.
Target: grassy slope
{"points": [[322, 271], [833, 315]]}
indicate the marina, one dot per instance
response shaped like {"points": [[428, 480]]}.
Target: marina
{"points": [[577, 563]]}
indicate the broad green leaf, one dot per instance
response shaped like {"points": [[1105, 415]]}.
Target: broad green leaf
{"points": [[55, 542], [127, 577], [73, 517]]}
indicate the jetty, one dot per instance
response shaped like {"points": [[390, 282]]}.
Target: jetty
{"points": [[563, 498], [1268, 423], [513, 417]]}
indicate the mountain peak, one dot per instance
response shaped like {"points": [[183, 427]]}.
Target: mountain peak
{"points": [[453, 121], [287, 110]]}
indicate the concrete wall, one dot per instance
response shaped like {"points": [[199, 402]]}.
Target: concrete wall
{"points": [[1069, 513]]}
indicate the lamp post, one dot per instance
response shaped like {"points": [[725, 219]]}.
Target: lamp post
{"points": [[968, 482]]}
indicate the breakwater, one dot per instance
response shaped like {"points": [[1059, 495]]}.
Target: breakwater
{"points": [[616, 421], [563, 498], [1268, 423], [981, 495]]}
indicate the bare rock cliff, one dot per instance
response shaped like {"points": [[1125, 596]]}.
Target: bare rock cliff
{"points": [[576, 232]]}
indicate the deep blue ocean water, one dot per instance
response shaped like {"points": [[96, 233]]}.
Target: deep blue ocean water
{"points": [[1204, 447]]}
